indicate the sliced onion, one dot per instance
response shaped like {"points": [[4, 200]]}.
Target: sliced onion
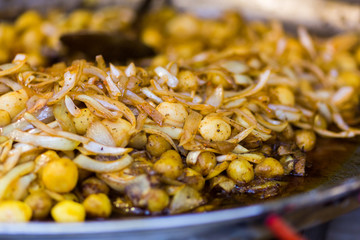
{"points": [[204, 108], [340, 122], [11, 84], [95, 71], [170, 79], [192, 157], [69, 83], [93, 165], [115, 73], [14, 155], [12, 159], [240, 149], [113, 90], [216, 98], [264, 77], [173, 132], [5, 149], [306, 41], [100, 134], [287, 115], [261, 135], [100, 109], [217, 170], [22, 186], [42, 126], [252, 157], [150, 130], [14, 174], [226, 157], [145, 106], [97, 148], [151, 95], [328, 133], [130, 71], [191, 127], [70, 105], [235, 103], [116, 180], [242, 135], [271, 124], [117, 106], [235, 67], [18, 63], [342, 95], [185, 199], [45, 115], [54, 143]]}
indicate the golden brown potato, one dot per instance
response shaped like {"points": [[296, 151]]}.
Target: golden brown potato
{"points": [[68, 211], [169, 165], [206, 161], [60, 175], [97, 205], [269, 168], [240, 170], [40, 203], [157, 145], [14, 102]]}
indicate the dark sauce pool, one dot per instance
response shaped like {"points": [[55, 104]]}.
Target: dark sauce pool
{"points": [[324, 166]]}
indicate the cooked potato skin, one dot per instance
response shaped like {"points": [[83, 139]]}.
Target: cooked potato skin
{"points": [[240, 170], [305, 139], [269, 168], [14, 211], [83, 121], [93, 185], [205, 162], [40, 203], [60, 175], [5, 118], [174, 113], [214, 129], [68, 211], [97, 205], [169, 165], [157, 200], [14, 102], [157, 145]]}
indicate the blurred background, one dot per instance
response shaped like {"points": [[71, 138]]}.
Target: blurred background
{"points": [[321, 17]]}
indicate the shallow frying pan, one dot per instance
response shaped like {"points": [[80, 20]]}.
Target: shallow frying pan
{"points": [[328, 198]]}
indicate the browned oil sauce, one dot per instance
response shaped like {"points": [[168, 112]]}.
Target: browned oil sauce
{"points": [[322, 164]]}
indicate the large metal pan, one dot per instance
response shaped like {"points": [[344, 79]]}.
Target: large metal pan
{"points": [[337, 195]]}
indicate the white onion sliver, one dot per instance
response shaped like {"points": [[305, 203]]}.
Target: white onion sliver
{"points": [[192, 157], [97, 148], [70, 81], [130, 71], [173, 132], [93, 165], [14, 174], [54, 143], [111, 87], [70, 105], [170, 79], [151, 95], [342, 95], [10, 83], [240, 149], [216, 98]]}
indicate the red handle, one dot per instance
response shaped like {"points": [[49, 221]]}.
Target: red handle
{"points": [[281, 229]]}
